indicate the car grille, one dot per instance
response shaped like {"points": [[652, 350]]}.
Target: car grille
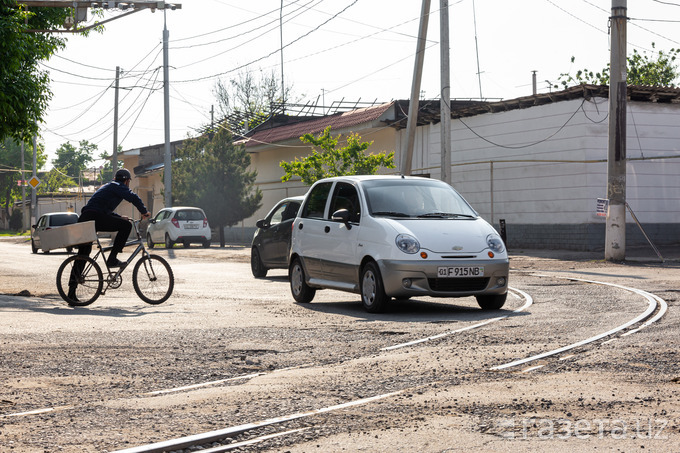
{"points": [[458, 284]]}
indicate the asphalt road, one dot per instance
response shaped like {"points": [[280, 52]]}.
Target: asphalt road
{"points": [[227, 350]]}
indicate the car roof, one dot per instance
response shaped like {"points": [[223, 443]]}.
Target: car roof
{"points": [[60, 213], [177, 208], [360, 178]]}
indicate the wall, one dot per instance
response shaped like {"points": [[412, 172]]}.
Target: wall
{"points": [[542, 169]]}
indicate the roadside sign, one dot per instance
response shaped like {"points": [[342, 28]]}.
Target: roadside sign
{"points": [[34, 182], [602, 207]]}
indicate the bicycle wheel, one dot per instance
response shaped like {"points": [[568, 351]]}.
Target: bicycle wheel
{"points": [[153, 279], [84, 276]]}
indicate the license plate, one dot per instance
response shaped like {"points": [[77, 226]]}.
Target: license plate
{"points": [[460, 271], [190, 226]]}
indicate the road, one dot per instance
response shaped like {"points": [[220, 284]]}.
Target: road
{"points": [[234, 356]]}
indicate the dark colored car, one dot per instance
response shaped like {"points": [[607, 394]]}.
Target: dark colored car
{"points": [[47, 222], [271, 242]]}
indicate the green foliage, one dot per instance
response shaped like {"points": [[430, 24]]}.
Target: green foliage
{"points": [[55, 180], [10, 169], [333, 161], [213, 175], [642, 70], [71, 160], [24, 87]]}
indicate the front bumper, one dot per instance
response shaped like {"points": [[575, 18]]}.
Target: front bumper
{"points": [[413, 278]]}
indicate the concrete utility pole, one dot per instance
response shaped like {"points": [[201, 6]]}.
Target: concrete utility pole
{"points": [[114, 162], [412, 121], [167, 169], [445, 107], [615, 236], [34, 195]]}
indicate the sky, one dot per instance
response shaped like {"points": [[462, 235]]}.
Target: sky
{"points": [[333, 51]]}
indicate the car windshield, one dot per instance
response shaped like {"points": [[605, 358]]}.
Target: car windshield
{"points": [[63, 219], [415, 198], [187, 214]]}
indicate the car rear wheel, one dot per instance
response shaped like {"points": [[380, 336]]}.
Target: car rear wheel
{"points": [[494, 302], [168, 243], [373, 294], [256, 265], [302, 292], [206, 244]]}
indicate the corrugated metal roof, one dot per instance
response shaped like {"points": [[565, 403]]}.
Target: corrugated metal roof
{"points": [[314, 126]]}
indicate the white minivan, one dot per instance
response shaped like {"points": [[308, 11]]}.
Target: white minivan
{"points": [[395, 237]]}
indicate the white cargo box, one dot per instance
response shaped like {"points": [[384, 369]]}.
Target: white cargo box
{"points": [[68, 236]]}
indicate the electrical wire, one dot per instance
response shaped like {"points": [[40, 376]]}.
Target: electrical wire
{"points": [[271, 53]]}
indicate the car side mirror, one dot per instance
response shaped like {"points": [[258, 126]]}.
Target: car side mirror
{"points": [[262, 224], [342, 215], [34, 226], [152, 221]]}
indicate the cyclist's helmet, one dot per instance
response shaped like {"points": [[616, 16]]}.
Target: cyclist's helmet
{"points": [[122, 175]]}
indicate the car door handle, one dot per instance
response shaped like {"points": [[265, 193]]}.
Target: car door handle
{"points": [[327, 229]]}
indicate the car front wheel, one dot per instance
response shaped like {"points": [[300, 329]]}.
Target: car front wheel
{"points": [[256, 265], [373, 294], [302, 292], [493, 302], [34, 249], [149, 242]]}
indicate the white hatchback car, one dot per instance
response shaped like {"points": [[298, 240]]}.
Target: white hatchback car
{"points": [[47, 222], [179, 224], [394, 236]]}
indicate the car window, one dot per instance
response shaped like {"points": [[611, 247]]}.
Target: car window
{"points": [[62, 219], [413, 198], [189, 214], [291, 210], [316, 201], [161, 215], [41, 222], [277, 215], [345, 197]]}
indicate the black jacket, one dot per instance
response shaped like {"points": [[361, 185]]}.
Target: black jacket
{"points": [[108, 197]]}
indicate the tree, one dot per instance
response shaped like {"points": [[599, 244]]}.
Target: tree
{"points": [[213, 174], [642, 70], [24, 87], [332, 161], [71, 160], [247, 102], [54, 180], [10, 169]]}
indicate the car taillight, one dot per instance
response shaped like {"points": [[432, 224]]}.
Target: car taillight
{"points": [[205, 223], [175, 222]]}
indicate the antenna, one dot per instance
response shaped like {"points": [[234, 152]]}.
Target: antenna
{"points": [[479, 74]]}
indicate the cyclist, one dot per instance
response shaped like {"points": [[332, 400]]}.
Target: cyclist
{"points": [[100, 208]]}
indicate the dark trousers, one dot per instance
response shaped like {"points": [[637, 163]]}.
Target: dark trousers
{"points": [[102, 222], [110, 223]]}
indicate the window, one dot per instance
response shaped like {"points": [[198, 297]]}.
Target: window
{"points": [[277, 216], [346, 197], [316, 202]]}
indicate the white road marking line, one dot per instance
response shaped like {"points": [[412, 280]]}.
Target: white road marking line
{"points": [[527, 370], [245, 443], [527, 297], [36, 411]]}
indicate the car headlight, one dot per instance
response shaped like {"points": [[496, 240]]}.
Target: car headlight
{"points": [[495, 243], [407, 243]]}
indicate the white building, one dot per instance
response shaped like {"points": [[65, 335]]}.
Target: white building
{"points": [[537, 162]]}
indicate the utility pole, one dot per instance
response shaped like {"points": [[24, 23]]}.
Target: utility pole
{"points": [[412, 120], [34, 195], [615, 235], [445, 102], [167, 169], [114, 164], [23, 187]]}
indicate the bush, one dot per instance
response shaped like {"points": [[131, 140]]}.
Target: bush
{"points": [[16, 220]]}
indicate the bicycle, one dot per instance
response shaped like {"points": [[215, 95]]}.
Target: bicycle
{"points": [[152, 276]]}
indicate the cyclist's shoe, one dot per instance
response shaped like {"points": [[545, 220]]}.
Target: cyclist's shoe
{"points": [[72, 295], [115, 263]]}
